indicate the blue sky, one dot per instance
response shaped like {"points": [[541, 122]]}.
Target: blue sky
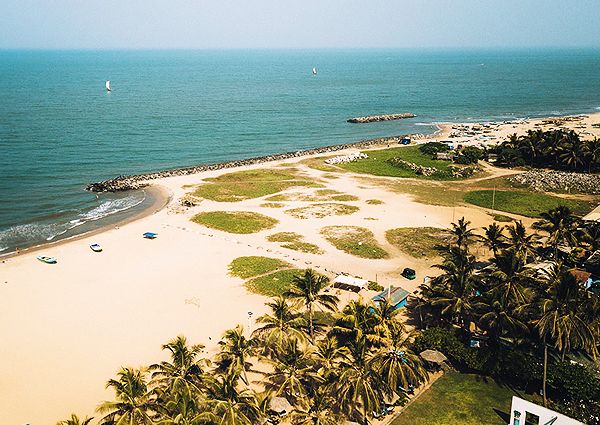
{"points": [[298, 24]]}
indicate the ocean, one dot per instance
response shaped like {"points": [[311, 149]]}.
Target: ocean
{"points": [[60, 129]]}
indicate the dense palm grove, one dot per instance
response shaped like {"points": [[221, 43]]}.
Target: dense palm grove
{"points": [[527, 308], [556, 149], [329, 373], [333, 365]]}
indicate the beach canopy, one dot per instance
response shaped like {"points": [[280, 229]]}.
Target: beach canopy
{"points": [[150, 235], [280, 405], [433, 356], [349, 282]]}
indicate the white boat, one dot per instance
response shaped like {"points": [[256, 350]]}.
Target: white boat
{"points": [[108, 85], [96, 247], [314, 71], [47, 260]]}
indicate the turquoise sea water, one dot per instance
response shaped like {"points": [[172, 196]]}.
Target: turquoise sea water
{"points": [[60, 129]]}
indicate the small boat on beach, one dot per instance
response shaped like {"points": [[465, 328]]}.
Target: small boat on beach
{"points": [[96, 247], [47, 260], [108, 85], [150, 235]]}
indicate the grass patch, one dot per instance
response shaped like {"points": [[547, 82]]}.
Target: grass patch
{"points": [[417, 242], [330, 176], [249, 184], [294, 241], [322, 210], [272, 205], [524, 203], [235, 221], [502, 218], [247, 267], [318, 196], [318, 163], [377, 164], [273, 284], [374, 201], [459, 399], [354, 240]]}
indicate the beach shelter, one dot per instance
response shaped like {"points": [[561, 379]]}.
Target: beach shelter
{"points": [[349, 283], [150, 235], [398, 296]]}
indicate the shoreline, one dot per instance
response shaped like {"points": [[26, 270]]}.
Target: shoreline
{"points": [[161, 197]]}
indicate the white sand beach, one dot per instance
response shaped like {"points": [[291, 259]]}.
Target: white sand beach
{"points": [[67, 328]]}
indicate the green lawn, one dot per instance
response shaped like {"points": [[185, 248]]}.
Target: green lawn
{"points": [[417, 242], [377, 163], [274, 284], [249, 184], [354, 240], [460, 399], [524, 203], [235, 221], [247, 267], [322, 210], [294, 241]]}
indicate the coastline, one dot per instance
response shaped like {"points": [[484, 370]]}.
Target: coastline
{"points": [[159, 196]]}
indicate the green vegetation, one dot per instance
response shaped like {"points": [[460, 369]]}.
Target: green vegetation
{"points": [[354, 240], [235, 221], [322, 210], [246, 267], [249, 184], [502, 218], [557, 149], [317, 196], [374, 201], [273, 284], [272, 205], [459, 399], [377, 164], [294, 241], [524, 203], [417, 241]]}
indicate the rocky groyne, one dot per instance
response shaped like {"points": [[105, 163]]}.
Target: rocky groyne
{"points": [[386, 117], [558, 181], [134, 182]]}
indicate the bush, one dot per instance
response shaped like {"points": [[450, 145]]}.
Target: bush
{"points": [[448, 342], [573, 382], [431, 148], [470, 155], [374, 286]]}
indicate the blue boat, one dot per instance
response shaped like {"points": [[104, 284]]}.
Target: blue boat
{"points": [[150, 235]]}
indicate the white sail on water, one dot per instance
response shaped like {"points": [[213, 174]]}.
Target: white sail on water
{"points": [[108, 85], [314, 71]]}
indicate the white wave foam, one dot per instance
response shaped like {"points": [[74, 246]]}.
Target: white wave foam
{"points": [[111, 207], [598, 108]]}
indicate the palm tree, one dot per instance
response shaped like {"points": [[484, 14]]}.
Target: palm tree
{"points": [[572, 152], [318, 409], [292, 370], [562, 316], [494, 237], [184, 372], [508, 279], [522, 243], [282, 322], [462, 234], [361, 388], [328, 355], [308, 289], [455, 289], [74, 420], [561, 224], [355, 322], [134, 405], [236, 351], [227, 404], [183, 409], [500, 318], [589, 233]]}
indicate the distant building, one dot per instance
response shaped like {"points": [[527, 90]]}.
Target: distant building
{"points": [[398, 298], [523, 412]]}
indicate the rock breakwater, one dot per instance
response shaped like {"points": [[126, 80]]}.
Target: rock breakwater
{"points": [[134, 182], [558, 181], [386, 117]]}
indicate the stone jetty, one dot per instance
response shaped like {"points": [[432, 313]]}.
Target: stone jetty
{"points": [[375, 118], [558, 181], [134, 182]]}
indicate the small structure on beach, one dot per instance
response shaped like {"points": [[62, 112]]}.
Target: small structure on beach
{"points": [[398, 297], [349, 283], [444, 156]]}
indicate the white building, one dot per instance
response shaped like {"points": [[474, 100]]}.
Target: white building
{"points": [[523, 412]]}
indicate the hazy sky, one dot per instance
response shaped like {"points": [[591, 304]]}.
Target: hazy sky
{"points": [[298, 24]]}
